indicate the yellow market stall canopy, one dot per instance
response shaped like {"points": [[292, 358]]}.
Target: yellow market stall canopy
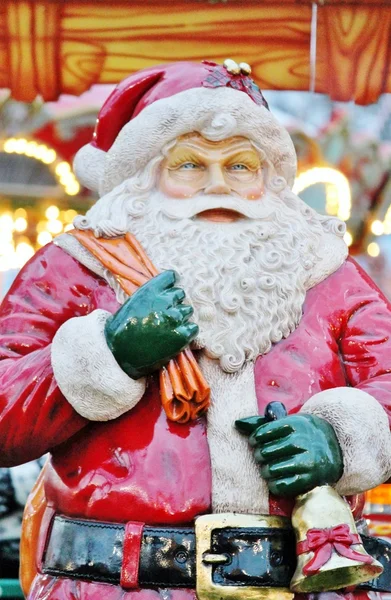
{"points": [[341, 48]]}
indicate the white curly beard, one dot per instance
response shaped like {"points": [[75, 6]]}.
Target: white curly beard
{"points": [[246, 280]]}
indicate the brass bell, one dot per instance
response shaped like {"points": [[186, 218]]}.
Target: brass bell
{"points": [[330, 554]]}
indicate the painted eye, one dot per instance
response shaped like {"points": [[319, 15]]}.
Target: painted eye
{"points": [[238, 167], [189, 166]]}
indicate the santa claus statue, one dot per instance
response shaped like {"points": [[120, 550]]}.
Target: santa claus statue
{"points": [[144, 350]]}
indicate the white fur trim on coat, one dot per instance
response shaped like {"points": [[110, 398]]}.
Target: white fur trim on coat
{"points": [[217, 114], [237, 485], [362, 428], [88, 374]]}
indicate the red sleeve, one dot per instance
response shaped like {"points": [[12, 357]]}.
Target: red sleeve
{"points": [[365, 337], [34, 415]]}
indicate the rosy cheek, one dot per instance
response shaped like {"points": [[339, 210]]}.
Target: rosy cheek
{"points": [[253, 192], [176, 189], [251, 188], [180, 191]]}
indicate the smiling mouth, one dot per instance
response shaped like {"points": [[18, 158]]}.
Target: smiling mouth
{"points": [[222, 215]]}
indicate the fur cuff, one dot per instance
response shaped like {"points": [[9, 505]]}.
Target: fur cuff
{"points": [[362, 428], [88, 374]]}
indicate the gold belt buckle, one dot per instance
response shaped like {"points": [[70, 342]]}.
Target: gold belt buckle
{"points": [[205, 559]]}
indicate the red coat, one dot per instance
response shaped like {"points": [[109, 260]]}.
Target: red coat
{"points": [[141, 467]]}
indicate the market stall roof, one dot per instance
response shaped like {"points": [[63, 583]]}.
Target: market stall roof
{"points": [[338, 47]]}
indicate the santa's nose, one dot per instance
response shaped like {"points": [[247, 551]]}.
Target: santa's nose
{"points": [[216, 183]]}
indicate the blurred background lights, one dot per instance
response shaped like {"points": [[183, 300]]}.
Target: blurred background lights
{"points": [[54, 226], [338, 196], [53, 212], [348, 238], [61, 168], [49, 157], [6, 222], [44, 238], [24, 251], [20, 224], [69, 215], [25, 230], [20, 146], [72, 188], [30, 151], [373, 249], [377, 227]]}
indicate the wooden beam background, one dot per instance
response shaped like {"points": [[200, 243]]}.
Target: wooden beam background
{"points": [[50, 47]]}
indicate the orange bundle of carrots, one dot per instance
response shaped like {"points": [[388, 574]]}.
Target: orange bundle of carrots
{"points": [[184, 392]]}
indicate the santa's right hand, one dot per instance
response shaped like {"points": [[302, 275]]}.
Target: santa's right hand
{"points": [[151, 327]]}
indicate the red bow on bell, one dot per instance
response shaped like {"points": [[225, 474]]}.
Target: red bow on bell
{"points": [[322, 542]]}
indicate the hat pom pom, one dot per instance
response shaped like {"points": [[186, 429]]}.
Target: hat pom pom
{"points": [[88, 165]]}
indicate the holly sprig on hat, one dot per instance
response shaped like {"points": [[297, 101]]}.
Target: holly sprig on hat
{"points": [[220, 76]]}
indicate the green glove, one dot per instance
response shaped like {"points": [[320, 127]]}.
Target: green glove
{"points": [[151, 327], [295, 453]]}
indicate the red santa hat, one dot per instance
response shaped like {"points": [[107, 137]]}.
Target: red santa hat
{"points": [[155, 106]]}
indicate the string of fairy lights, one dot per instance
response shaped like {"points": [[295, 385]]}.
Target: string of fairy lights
{"points": [[61, 169], [24, 229]]}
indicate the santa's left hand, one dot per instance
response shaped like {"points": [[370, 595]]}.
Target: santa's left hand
{"points": [[295, 453]]}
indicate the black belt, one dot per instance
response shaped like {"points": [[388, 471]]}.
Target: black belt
{"points": [[91, 550], [381, 550], [257, 556]]}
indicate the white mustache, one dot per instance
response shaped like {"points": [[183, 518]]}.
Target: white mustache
{"points": [[190, 207]]}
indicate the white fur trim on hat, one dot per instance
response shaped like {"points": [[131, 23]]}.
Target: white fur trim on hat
{"points": [[217, 114], [88, 374], [363, 432]]}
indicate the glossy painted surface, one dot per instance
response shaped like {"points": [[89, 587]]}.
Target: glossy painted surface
{"points": [[141, 467], [140, 90], [129, 464], [274, 566], [184, 392], [67, 589], [136, 92], [196, 165], [344, 338], [151, 327], [102, 472], [330, 554], [297, 453]]}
